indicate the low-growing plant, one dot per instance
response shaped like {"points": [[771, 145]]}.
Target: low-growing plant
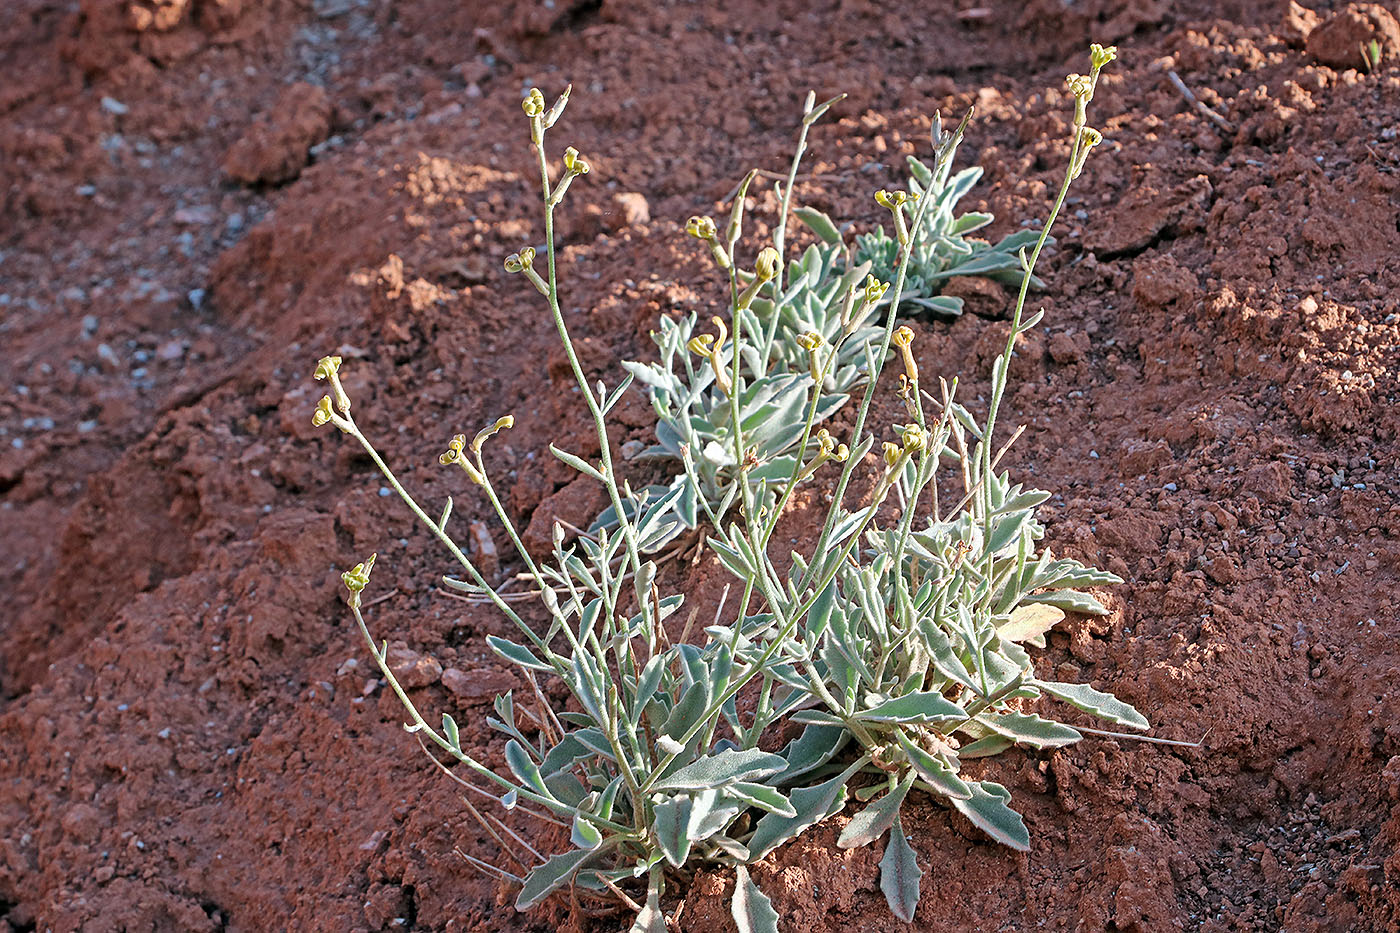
{"points": [[942, 247], [901, 631]]}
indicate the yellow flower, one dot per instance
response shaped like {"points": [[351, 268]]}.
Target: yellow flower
{"points": [[327, 367], [323, 412], [1100, 55], [702, 228], [454, 450], [357, 577], [533, 104]]}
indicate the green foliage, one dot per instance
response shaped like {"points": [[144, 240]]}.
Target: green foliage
{"points": [[898, 639], [943, 248]]}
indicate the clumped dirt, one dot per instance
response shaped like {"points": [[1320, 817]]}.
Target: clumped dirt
{"points": [[199, 199]]}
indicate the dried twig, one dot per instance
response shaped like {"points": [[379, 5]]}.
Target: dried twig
{"points": [[1194, 101]]}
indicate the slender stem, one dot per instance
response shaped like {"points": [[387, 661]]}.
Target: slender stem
{"points": [[420, 725], [628, 530]]}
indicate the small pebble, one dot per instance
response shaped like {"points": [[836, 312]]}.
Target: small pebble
{"points": [[114, 106], [1170, 487]]}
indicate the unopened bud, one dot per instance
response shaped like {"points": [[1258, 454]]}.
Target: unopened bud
{"points": [[323, 412], [903, 337], [357, 578], [767, 264], [533, 104], [573, 164], [891, 453], [912, 437]]}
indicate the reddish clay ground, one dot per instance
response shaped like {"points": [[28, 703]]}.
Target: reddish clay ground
{"points": [[183, 742]]}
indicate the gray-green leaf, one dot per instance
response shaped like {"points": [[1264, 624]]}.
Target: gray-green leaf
{"points": [[751, 909], [651, 919], [870, 824], [544, 880], [900, 874], [722, 768], [813, 804], [915, 707], [1103, 705], [1030, 729], [989, 811]]}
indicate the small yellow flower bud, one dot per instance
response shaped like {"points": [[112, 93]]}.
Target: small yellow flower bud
{"points": [[573, 164], [701, 344], [892, 199], [891, 453], [519, 262], [454, 450], [533, 104], [842, 454], [874, 289], [323, 412], [1100, 55], [326, 367], [903, 337], [811, 340], [702, 228], [767, 264], [357, 578], [1080, 86], [912, 437], [826, 444]]}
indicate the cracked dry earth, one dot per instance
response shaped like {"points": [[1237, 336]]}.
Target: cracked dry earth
{"points": [[198, 199]]}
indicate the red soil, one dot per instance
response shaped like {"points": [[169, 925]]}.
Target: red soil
{"points": [[184, 743]]}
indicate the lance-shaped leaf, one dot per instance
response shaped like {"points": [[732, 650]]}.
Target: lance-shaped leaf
{"points": [[761, 796], [584, 834], [650, 919], [900, 874], [1103, 705], [449, 729], [989, 811], [751, 909], [544, 880], [1029, 623], [870, 824], [936, 772], [671, 823], [1030, 729], [722, 768], [813, 748], [813, 804], [517, 654], [1070, 601], [915, 707], [819, 223], [524, 768]]}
